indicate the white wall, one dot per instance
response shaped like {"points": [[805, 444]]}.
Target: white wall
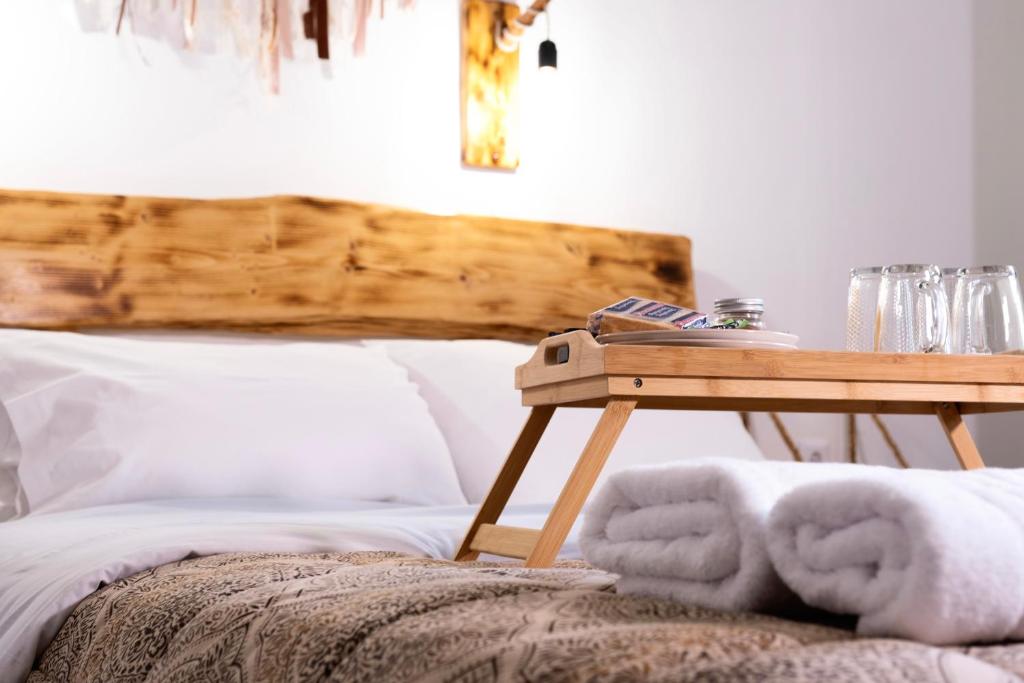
{"points": [[790, 139], [999, 174]]}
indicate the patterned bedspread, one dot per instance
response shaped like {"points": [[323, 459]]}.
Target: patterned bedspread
{"points": [[386, 617]]}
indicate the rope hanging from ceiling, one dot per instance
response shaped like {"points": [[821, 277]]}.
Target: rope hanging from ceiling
{"points": [[508, 39]]}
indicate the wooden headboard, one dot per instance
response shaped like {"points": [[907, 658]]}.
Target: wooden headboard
{"points": [[302, 265]]}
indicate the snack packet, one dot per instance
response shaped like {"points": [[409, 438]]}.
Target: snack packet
{"points": [[637, 314]]}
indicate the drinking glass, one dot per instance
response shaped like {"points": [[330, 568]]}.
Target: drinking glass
{"points": [[987, 312], [913, 313], [862, 308], [950, 276]]}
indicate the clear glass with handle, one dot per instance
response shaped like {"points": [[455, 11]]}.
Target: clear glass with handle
{"points": [[913, 312], [862, 308], [987, 312]]}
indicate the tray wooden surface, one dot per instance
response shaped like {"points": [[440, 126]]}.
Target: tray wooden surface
{"points": [[574, 370]]}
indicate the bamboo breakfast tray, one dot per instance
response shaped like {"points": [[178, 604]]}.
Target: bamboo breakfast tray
{"points": [[573, 370]]}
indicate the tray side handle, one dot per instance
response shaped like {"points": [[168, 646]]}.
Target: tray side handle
{"points": [[561, 358]]}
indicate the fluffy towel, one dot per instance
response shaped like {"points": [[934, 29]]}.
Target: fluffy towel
{"points": [[693, 531], [933, 556]]}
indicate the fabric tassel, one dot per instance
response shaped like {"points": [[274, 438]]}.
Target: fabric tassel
{"points": [[284, 29], [362, 16], [189, 11], [264, 30], [269, 58]]}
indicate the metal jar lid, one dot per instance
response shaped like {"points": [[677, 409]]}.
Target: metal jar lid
{"points": [[752, 305]]}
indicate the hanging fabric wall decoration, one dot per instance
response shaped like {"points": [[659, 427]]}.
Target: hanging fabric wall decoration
{"points": [[270, 57], [316, 26], [260, 30]]}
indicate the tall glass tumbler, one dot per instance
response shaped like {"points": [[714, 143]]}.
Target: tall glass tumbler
{"points": [[987, 311], [913, 313], [862, 308]]}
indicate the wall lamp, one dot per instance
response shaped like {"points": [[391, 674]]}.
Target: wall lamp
{"points": [[512, 32], [509, 35], [490, 36], [547, 53]]}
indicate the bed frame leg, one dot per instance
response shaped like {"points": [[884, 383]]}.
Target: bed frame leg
{"points": [[508, 477], [959, 438], [581, 481]]}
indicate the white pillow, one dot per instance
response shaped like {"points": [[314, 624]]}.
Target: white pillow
{"points": [[9, 455], [469, 386], [103, 420]]}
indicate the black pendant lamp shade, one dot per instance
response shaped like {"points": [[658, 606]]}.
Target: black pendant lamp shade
{"points": [[548, 55]]}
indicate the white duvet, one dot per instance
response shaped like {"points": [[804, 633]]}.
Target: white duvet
{"points": [[48, 563]]}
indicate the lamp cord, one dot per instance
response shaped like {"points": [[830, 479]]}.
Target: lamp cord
{"points": [[510, 35]]}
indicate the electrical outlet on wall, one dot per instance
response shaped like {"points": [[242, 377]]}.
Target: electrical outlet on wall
{"points": [[813, 449]]}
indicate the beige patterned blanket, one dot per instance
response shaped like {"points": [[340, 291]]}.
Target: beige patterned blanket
{"points": [[385, 617]]}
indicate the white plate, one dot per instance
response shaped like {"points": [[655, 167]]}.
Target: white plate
{"points": [[715, 343], [723, 338]]}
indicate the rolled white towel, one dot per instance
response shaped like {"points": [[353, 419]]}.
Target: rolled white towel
{"points": [[693, 531], [933, 556]]}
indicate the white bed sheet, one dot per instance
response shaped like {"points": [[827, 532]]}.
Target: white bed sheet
{"points": [[48, 563]]}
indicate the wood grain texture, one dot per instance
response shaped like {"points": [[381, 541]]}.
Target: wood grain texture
{"points": [[786, 381], [784, 405], [581, 480], [590, 359], [508, 477], [489, 87], [310, 266], [584, 358], [899, 392], [803, 365], [959, 437], [568, 392], [507, 541]]}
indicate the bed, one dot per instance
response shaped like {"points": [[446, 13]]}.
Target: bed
{"points": [[166, 578]]}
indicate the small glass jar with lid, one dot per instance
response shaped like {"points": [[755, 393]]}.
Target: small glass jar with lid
{"points": [[746, 314]]}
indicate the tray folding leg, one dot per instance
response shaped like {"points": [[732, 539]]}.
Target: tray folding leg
{"points": [[539, 548], [959, 437], [581, 481], [508, 477]]}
